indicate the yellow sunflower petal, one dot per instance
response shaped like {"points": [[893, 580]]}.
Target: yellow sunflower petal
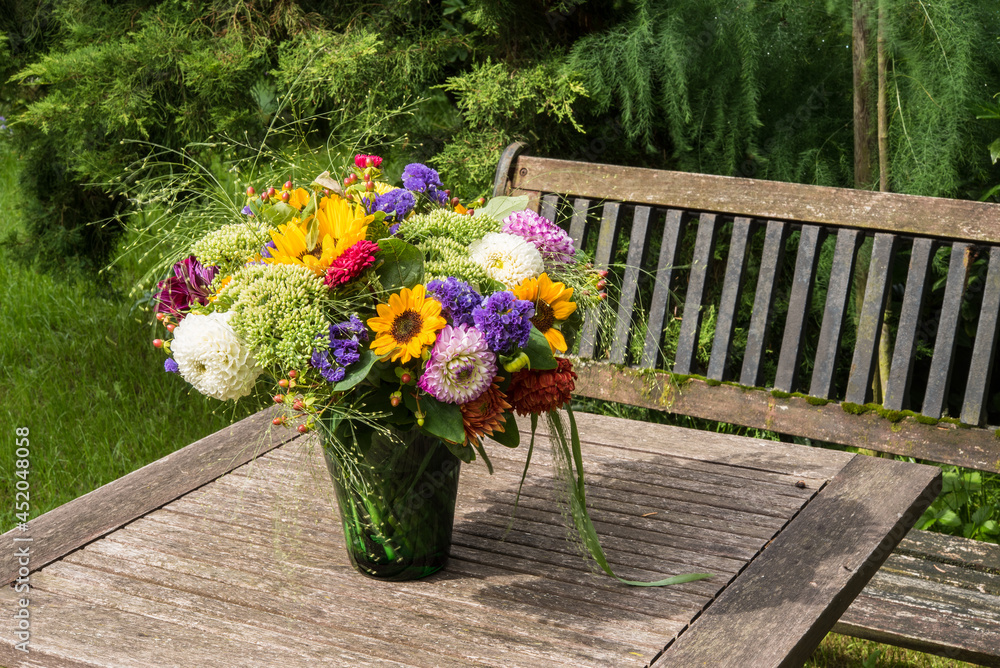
{"points": [[556, 340], [563, 309]]}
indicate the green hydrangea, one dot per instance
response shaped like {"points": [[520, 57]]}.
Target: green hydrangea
{"points": [[278, 311], [229, 247], [445, 223], [446, 257]]}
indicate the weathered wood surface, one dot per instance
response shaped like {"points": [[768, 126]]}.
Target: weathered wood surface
{"points": [[938, 594], [755, 198], [250, 569], [93, 515], [972, 448], [806, 574]]}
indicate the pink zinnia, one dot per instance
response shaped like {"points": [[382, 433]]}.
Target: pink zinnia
{"points": [[551, 240], [461, 366], [361, 160], [351, 263]]}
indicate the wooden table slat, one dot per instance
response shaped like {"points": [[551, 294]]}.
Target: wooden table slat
{"points": [[103, 510]]}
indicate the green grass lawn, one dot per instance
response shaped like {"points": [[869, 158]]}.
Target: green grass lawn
{"points": [[77, 369]]}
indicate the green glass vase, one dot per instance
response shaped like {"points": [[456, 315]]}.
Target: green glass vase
{"points": [[396, 492]]}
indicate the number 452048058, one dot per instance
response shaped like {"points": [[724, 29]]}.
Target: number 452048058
{"points": [[22, 467]]}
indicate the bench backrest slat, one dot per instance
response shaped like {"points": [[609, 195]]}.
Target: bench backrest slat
{"points": [[714, 239], [602, 257], [704, 250], [838, 295], [665, 266], [578, 223], [984, 348], [859, 385], [729, 302], [638, 242], [550, 203], [939, 380], [799, 301], [897, 394], [763, 303]]}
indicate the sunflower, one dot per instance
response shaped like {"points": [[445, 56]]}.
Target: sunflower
{"points": [[340, 227], [552, 306], [406, 325]]}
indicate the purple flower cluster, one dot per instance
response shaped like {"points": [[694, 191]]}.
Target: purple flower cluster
{"points": [[170, 366], [188, 285], [457, 298], [505, 321], [422, 179], [345, 341], [396, 203], [551, 240]]}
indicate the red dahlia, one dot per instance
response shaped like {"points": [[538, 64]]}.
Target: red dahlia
{"points": [[541, 391]]}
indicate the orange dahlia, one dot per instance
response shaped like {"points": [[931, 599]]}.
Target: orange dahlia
{"points": [[483, 416], [542, 391]]}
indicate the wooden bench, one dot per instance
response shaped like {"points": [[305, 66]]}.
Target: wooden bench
{"points": [[776, 368]]}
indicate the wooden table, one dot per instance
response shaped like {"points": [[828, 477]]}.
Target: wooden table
{"points": [[200, 559]]}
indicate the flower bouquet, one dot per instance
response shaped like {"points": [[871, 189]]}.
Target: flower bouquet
{"points": [[399, 324]]}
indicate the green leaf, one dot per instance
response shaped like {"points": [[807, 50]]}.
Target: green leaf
{"points": [[440, 419], [501, 207], [539, 352], [278, 214], [312, 233], [995, 151], [482, 453], [949, 519], [510, 437], [570, 452], [463, 452], [402, 264], [357, 371]]}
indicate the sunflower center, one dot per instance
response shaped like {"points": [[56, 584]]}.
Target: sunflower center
{"points": [[316, 252], [544, 316], [406, 325]]}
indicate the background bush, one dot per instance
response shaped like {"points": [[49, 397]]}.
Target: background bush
{"points": [[759, 89]]}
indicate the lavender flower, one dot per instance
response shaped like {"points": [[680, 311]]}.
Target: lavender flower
{"points": [[170, 366], [457, 299], [396, 203], [460, 367], [505, 321], [188, 285], [344, 341], [419, 178]]}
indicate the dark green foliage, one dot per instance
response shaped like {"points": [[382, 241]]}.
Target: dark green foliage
{"points": [[760, 89]]}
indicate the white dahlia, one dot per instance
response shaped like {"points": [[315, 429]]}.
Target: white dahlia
{"points": [[507, 258], [211, 357]]}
